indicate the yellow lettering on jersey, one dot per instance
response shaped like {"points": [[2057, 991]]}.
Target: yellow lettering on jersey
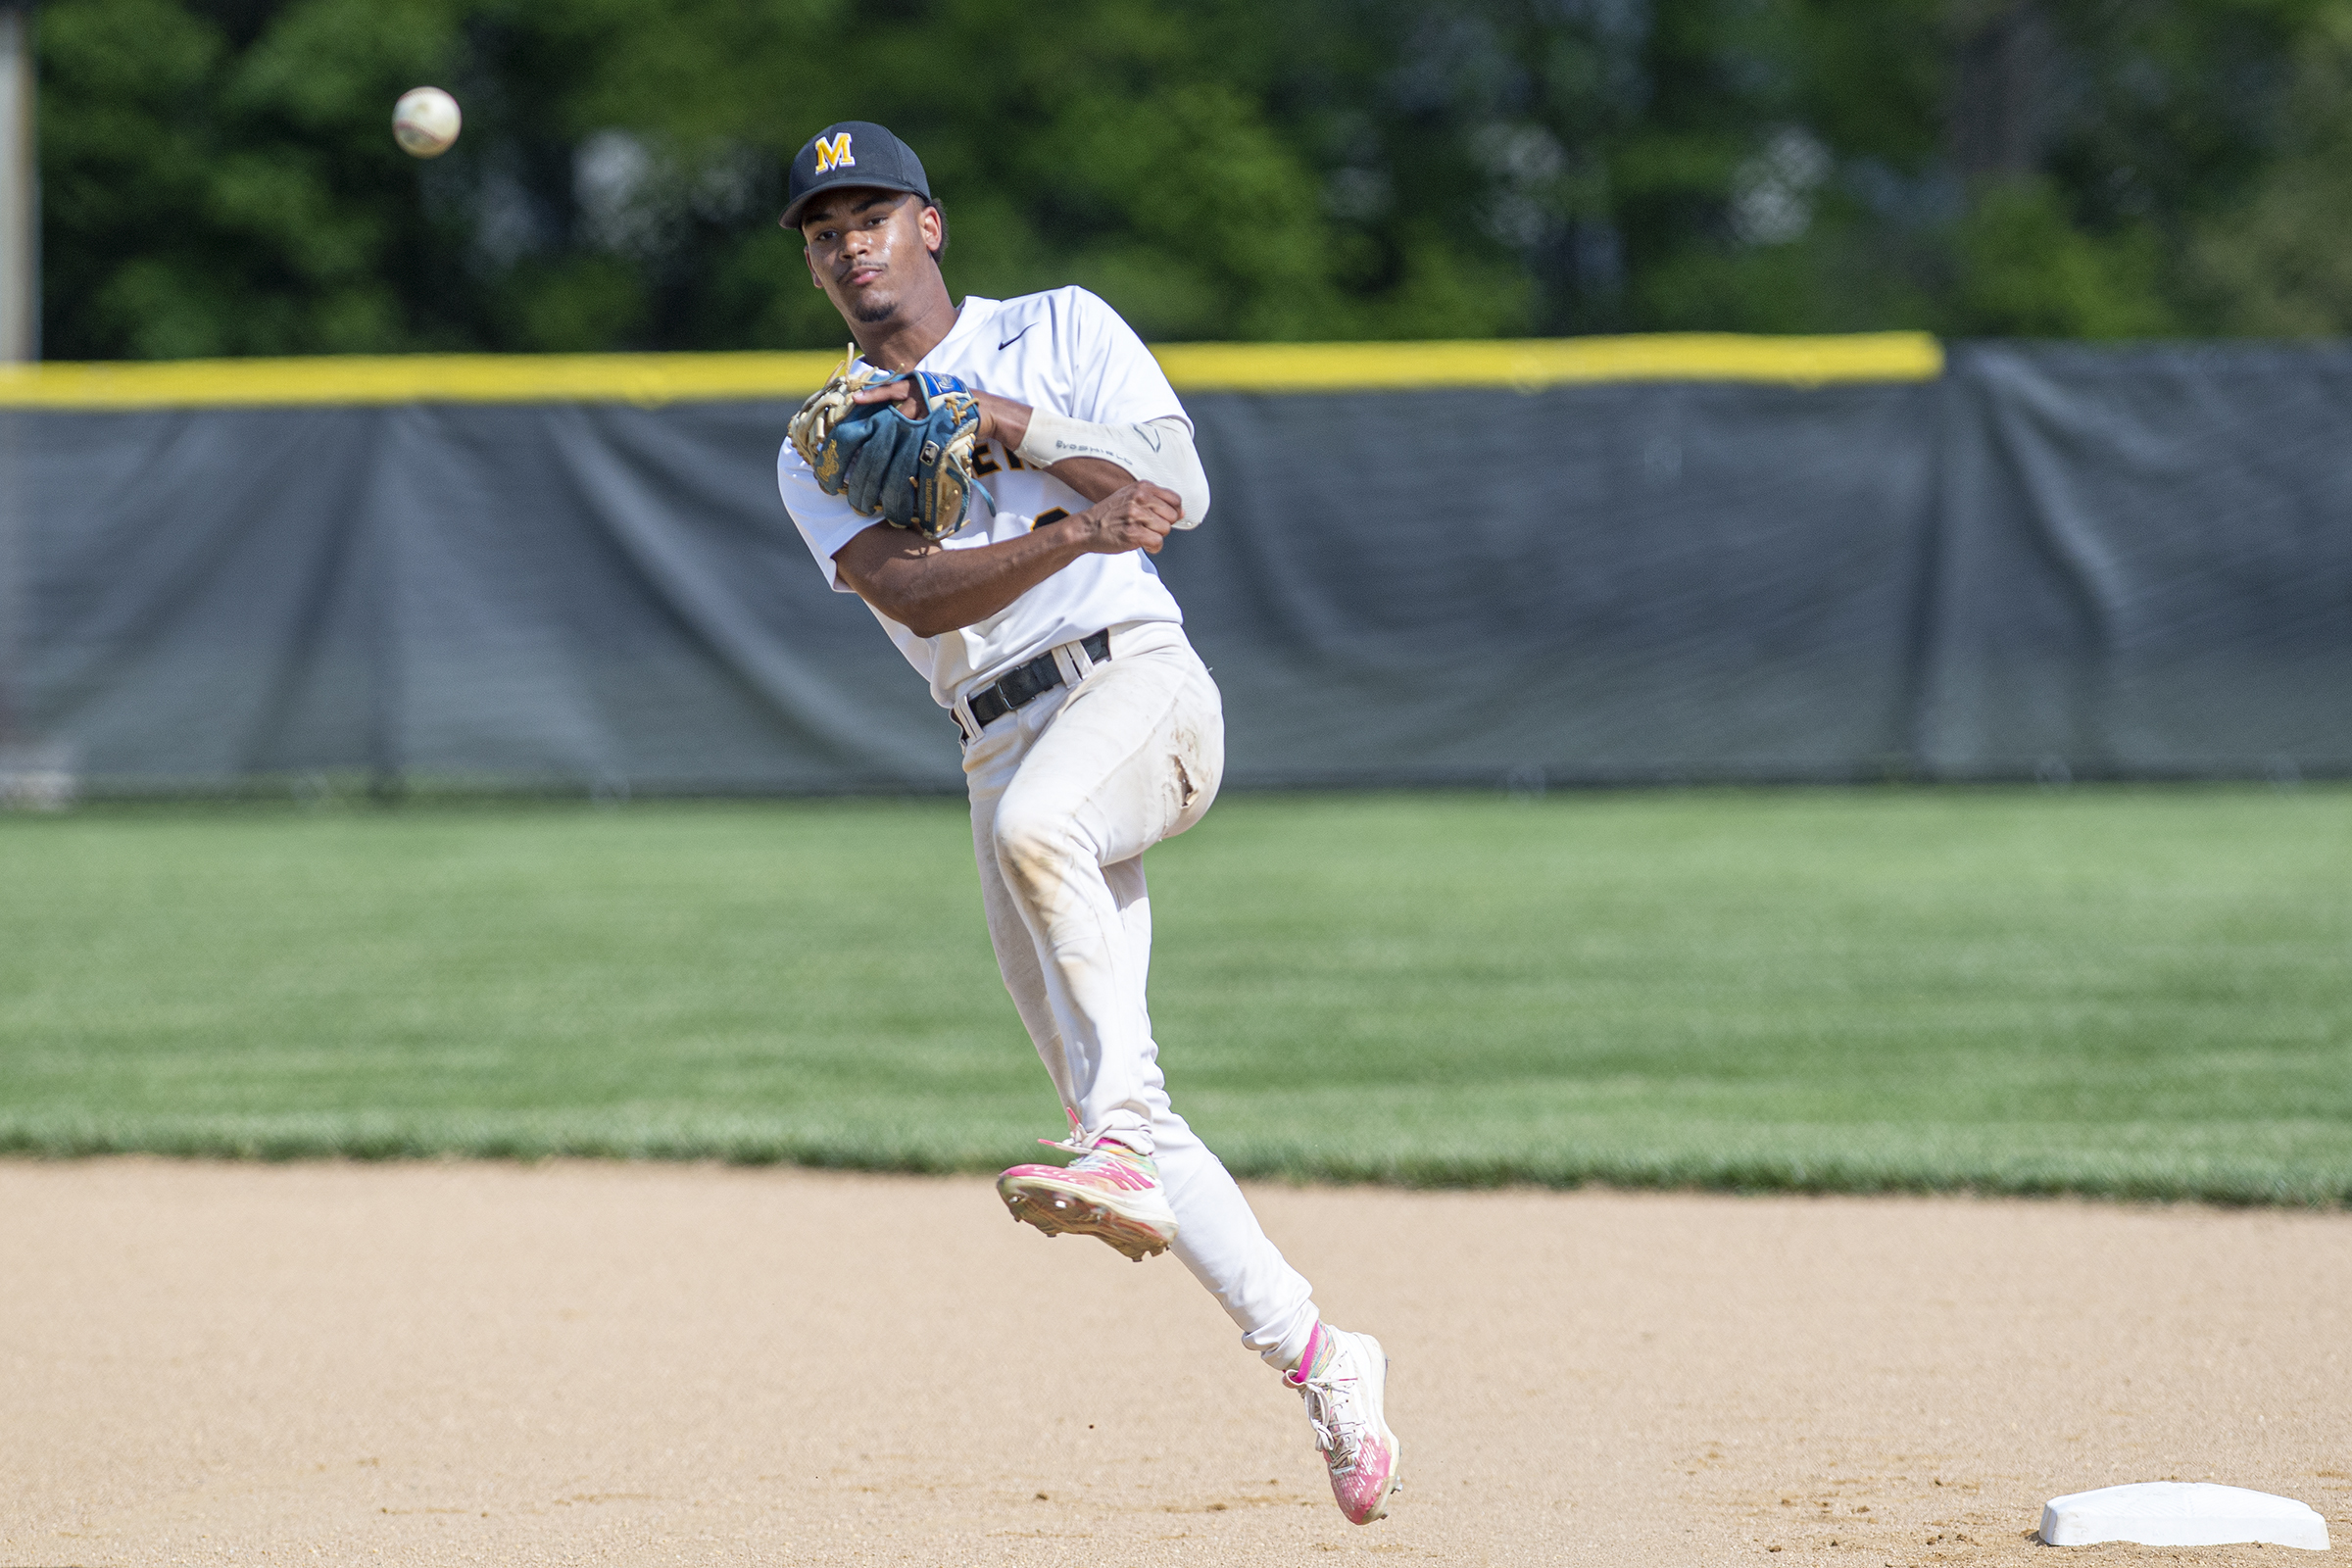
{"points": [[983, 458], [1012, 459], [835, 154]]}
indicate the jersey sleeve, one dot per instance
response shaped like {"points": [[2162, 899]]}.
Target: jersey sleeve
{"points": [[826, 522], [1113, 378]]}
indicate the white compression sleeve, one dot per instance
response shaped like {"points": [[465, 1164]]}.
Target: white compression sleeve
{"points": [[1157, 450]]}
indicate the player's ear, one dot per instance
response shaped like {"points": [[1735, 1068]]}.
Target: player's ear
{"points": [[814, 281], [934, 224]]}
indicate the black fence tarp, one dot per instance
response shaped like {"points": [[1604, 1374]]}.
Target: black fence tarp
{"points": [[2132, 563], [2144, 564]]}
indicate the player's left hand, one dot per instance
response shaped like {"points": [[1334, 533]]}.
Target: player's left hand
{"points": [[905, 393], [1001, 419]]}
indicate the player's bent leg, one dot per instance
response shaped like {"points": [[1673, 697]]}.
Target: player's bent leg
{"points": [[1099, 1194], [1080, 791], [1131, 757]]}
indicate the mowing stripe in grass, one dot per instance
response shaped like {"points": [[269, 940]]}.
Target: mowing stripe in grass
{"points": [[2142, 992]]}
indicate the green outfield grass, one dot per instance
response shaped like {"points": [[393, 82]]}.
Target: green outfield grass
{"points": [[2132, 992]]}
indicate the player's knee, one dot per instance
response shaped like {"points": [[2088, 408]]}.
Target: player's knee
{"points": [[1035, 849]]}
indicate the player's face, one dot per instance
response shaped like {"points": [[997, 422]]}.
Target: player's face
{"points": [[867, 249]]}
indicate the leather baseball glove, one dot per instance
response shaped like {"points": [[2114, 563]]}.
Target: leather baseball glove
{"points": [[914, 474]]}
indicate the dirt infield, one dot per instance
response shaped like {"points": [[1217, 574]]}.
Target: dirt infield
{"points": [[580, 1363]]}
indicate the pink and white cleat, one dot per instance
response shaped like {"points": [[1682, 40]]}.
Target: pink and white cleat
{"points": [[1343, 1380], [1108, 1191]]}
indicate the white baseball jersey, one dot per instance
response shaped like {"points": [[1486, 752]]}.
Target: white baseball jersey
{"points": [[1065, 350]]}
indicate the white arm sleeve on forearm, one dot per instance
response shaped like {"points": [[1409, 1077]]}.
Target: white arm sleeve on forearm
{"points": [[1157, 450]]}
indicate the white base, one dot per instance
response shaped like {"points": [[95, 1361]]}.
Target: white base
{"points": [[2181, 1513]]}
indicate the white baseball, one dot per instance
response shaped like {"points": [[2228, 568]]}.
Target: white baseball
{"points": [[426, 122]]}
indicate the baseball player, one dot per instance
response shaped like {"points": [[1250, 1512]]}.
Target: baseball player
{"points": [[993, 479]]}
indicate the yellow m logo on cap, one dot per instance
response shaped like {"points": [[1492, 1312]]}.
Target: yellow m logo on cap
{"points": [[835, 154]]}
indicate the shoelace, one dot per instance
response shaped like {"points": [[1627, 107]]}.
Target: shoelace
{"points": [[1331, 1411], [1091, 1156], [1075, 1143]]}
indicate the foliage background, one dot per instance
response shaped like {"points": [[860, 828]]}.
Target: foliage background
{"points": [[219, 175]]}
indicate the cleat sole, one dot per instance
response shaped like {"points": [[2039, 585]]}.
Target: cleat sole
{"points": [[1033, 1200]]}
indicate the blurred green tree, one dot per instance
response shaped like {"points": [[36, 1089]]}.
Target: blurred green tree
{"points": [[220, 178], [2278, 260]]}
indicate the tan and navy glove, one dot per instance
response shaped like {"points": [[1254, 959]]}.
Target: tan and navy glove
{"points": [[914, 474]]}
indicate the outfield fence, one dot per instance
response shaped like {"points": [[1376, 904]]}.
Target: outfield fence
{"points": [[1592, 561]]}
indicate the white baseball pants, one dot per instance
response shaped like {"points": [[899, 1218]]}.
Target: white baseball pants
{"points": [[1067, 792]]}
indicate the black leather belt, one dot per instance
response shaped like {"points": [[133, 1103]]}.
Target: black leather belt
{"points": [[1026, 683]]}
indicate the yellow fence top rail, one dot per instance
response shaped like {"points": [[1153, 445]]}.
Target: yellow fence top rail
{"points": [[1529, 363], [650, 379], [641, 379]]}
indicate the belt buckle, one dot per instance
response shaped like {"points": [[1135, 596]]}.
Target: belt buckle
{"points": [[1048, 675]]}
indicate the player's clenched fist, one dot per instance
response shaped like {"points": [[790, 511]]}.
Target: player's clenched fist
{"points": [[1137, 517]]}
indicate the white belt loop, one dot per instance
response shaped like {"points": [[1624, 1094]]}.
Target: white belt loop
{"points": [[965, 721], [1076, 663]]}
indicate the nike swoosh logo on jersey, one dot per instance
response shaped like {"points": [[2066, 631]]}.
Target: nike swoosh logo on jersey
{"points": [[1015, 338]]}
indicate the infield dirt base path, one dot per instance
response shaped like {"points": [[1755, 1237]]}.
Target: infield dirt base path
{"points": [[583, 1364]]}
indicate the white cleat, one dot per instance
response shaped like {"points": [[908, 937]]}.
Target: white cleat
{"points": [[1343, 1379], [1109, 1191]]}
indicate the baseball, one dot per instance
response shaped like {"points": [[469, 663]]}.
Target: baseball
{"points": [[426, 122]]}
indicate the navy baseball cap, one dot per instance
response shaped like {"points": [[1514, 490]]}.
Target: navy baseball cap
{"points": [[854, 151]]}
